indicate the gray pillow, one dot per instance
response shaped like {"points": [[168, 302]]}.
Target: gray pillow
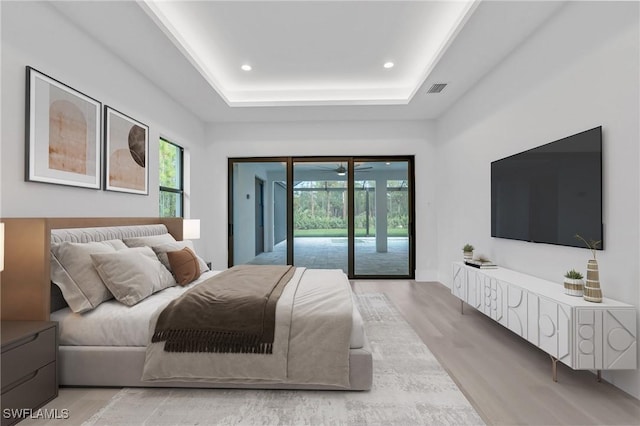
{"points": [[72, 270], [162, 249], [150, 241], [132, 274]]}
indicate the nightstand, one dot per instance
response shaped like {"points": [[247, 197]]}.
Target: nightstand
{"points": [[29, 368]]}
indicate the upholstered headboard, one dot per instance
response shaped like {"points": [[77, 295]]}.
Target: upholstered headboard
{"points": [[26, 284], [85, 235]]}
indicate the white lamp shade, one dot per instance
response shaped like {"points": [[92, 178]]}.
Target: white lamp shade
{"points": [[191, 229], [1, 246]]}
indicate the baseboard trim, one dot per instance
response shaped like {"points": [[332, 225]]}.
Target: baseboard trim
{"points": [[426, 275]]}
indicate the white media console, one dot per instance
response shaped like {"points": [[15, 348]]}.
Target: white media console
{"points": [[580, 334]]}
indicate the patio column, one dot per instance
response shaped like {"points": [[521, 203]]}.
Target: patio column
{"points": [[381, 215]]}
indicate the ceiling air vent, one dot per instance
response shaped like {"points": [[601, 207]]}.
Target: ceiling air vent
{"points": [[437, 88]]}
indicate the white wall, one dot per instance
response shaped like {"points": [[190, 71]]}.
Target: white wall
{"points": [[579, 71], [36, 34], [326, 138]]}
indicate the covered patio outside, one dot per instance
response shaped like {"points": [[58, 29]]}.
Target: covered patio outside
{"points": [[328, 253]]}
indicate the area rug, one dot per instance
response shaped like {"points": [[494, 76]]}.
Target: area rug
{"points": [[409, 388]]}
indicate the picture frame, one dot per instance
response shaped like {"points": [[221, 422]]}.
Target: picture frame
{"points": [[62, 135], [126, 153]]}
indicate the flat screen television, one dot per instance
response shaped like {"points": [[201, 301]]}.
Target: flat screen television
{"points": [[550, 193]]}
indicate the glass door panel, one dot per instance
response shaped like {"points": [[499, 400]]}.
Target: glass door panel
{"points": [[381, 218], [320, 215], [259, 191]]}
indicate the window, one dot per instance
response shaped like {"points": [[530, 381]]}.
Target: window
{"points": [[171, 180]]}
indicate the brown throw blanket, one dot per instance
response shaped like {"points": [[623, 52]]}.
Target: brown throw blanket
{"points": [[232, 312]]}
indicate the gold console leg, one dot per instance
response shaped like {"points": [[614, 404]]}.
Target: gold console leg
{"points": [[554, 369], [599, 375]]}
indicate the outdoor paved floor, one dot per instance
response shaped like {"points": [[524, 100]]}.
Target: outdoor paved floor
{"points": [[331, 253]]}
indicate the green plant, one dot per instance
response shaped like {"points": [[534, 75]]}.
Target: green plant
{"points": [[573, 274], [467, 247], [592, 244]]}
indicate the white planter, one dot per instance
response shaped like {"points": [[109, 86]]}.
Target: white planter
{"points": [[573, 287], [468, 255]]}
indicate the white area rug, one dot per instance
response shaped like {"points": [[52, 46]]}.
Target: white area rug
{"points": [[409, 388]]}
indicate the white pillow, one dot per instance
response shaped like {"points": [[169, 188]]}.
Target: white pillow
{"points": [[132, 274], [150, 241], [162, 249], [72, 270]]}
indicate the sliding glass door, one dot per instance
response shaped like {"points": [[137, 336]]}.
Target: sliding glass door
{"points": [[320, 214], [349, 213], [381, 203], [258, 213]]}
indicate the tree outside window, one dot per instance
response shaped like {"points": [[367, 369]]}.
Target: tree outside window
{"points": [[171, 179]]}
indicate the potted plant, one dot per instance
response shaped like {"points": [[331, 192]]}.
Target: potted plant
{"points": [[573, 284], [592, 290], [467, 251]]}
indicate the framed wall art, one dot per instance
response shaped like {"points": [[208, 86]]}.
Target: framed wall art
{"points": [[62, 133], [126, 153]]}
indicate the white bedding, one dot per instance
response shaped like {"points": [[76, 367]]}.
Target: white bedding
{"points": [[115, 324], [310, 345]]}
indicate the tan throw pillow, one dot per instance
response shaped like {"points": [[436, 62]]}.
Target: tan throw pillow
{"points": [[132, 274], [73, 271], [184, 264], [162, 249]]}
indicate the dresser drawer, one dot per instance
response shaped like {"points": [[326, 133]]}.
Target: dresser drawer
{"points": [[26, 356], [37, 388]]}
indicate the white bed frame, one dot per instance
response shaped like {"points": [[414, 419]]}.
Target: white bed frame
{"points": [[122, 366]]}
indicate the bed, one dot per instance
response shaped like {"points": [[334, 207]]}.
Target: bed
{"points": [[109, 345]]}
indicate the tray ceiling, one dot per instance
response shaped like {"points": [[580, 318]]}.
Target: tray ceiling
{"points": [[311, 60], [312, 53]]}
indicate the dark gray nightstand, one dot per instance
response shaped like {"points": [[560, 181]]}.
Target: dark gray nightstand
{"points": [[29, 368]]}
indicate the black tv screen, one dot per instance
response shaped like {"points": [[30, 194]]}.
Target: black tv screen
{"points": [[550, 193]]}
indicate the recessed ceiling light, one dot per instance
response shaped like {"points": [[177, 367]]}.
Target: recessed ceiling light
{"points": [[246, 67], [388, 64], [388, 164]]}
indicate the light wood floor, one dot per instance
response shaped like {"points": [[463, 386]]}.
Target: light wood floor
{"points": [[504, 377]]}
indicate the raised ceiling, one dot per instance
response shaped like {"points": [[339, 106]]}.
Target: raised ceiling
{"points": [[312, 53], [311, 60]]}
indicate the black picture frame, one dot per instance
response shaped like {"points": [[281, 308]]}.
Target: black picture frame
{"points": [[62, 135], [126, 153]]}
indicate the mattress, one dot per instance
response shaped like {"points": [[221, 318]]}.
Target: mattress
{"points": [[115, 324]]}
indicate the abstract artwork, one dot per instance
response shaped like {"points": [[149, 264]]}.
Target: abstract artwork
{"points": [[126, 153], [62, 133]]}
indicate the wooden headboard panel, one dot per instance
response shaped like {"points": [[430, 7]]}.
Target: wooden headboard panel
{"points": [[25, 286]]}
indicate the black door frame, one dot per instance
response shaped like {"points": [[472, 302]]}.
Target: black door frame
{"points": [[288, 162], [410, 159], [230, 191], [259, 215]]}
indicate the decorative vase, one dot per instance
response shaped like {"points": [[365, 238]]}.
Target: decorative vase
{"points": [[592, 291], [468, 255], [573, 287]]}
